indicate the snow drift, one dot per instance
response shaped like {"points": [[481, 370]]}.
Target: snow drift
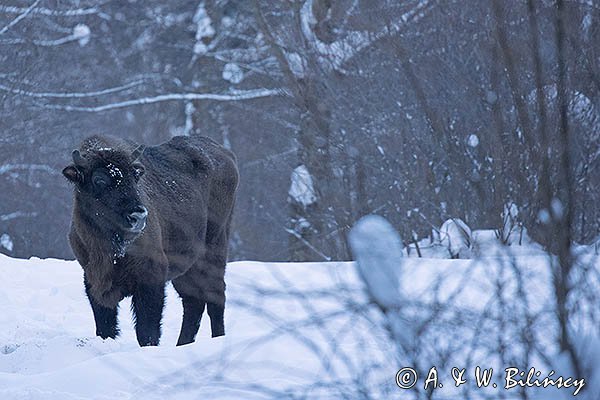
{"points": [[305, 330]]}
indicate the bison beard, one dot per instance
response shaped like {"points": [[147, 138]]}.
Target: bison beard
{"points": [[144, 216]]}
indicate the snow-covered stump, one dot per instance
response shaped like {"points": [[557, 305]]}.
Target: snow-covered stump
{"points": [[377, 249], [456, 236]]}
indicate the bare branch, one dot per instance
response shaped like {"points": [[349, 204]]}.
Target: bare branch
{"points": [[18, 214], [307, 243], [72, 95], [234, 96], [31, 167], [20, 17], [337, 53], [50, 12]]}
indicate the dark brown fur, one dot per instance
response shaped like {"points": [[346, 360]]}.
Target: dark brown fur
{"points": [[188, 189]]}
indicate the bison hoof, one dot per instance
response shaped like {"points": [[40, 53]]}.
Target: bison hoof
{"points": [[106, 335], [182, 342], [218, 332], [143, 342]]}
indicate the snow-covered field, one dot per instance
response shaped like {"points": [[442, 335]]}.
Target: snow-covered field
{"points": [[294, 330], [48, 349]]}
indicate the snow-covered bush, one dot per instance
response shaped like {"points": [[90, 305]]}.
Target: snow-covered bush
{"points": [[455, 235], [512, 230]]}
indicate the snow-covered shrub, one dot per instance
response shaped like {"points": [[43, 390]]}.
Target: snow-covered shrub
{"points": [[512, 229], [455, 235]]}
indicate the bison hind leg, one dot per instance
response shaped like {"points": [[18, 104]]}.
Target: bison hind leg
{"points": [[217, 238], [214, 294], [216, 312], [202, 287]]}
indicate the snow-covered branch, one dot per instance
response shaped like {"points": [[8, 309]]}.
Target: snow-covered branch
{"points": [[72, 95], [18, 214], [50, 12], [307, 244], [30, 167], [335, 54], [204, 31], [81, 33], [233, 96], [21, 16], [270, 158]]}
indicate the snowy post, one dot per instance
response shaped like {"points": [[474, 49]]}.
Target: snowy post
{"points": [[377, 249]]}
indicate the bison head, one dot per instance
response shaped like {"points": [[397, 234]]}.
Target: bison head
{"points": [[107, 194]]}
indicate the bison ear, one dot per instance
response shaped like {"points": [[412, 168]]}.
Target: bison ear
{"points": [[73, 174], [139, 170]]}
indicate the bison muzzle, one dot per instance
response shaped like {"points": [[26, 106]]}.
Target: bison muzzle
{"points": [[143, 216]]}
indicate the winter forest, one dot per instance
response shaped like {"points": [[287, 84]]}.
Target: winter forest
{"points": [[419, 186]]}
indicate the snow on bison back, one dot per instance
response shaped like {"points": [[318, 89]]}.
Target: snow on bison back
{"points": [[145, 215]]}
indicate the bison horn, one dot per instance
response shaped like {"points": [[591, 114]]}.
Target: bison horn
{"points": [[137, 152], [77, 158]]}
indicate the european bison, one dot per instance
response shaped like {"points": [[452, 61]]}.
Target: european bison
{"points": [[145, 215]]}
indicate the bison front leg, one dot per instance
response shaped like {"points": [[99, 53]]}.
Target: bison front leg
{"points": [[147, 305], [105, 318]]}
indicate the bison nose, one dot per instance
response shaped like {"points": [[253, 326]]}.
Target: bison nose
{"points": [[137, 219]]}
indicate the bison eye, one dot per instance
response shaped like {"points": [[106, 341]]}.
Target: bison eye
{"points": [[138, 170], [101, 181]]}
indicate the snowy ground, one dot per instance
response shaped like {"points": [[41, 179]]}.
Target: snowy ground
{"points": [[294, 330]]}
